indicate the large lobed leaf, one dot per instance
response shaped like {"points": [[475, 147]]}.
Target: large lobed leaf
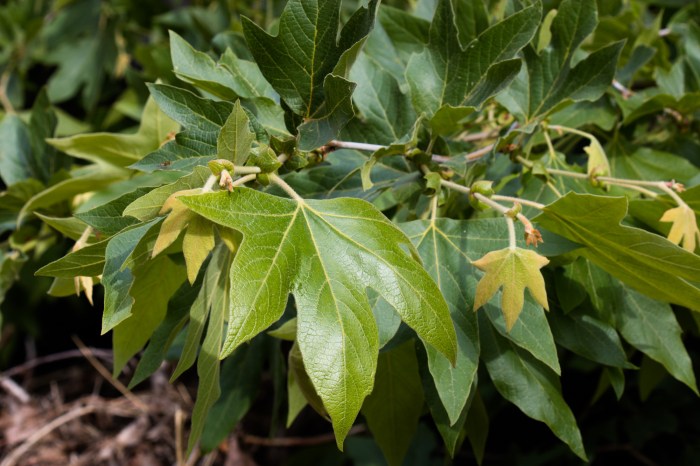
{"points": [[463, 65], [326, 253], [645, 261], [549, 78], [308, 60]]}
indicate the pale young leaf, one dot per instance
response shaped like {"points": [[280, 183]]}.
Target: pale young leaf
{"points": [[514, 270], [197, 244], [175, 222], [598, 164], [684, 229]]}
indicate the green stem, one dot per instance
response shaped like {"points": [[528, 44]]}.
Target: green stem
{"points": [[245, 170], [285, 187], [434, 208], [243, 180], [512, 244], [211, 181], [550, 146], [566, 129]]}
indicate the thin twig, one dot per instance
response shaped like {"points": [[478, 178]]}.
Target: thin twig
{"points": [[471, 156], [471, 137], [356, 145], [179, 443], [477, 154], [626, 92], [491, 203], [4, 100], [282, 442], [536, 205], [108, 377], [17, 453], [31, 364], [15, 390]]}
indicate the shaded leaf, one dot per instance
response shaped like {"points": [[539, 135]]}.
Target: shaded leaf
{"points": [[651, 327], [393, 408], [529, 385], [122, 150], [446, 73], [86, 262], [154, 284], [306, 49], [201, 119], [645, 261], [116, 279], [549, 79]]}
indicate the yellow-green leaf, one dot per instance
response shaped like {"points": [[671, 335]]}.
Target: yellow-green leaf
{"points": [[684, 229], [514, 270], [197, 244]]}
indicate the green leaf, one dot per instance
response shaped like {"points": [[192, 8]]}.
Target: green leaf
{"points": [[393, 408], [148, 205], [86, 262], [236, 138], [228, 79], [301, 384], [330, 117], [446, 73], [589, 337], [240, 377], [202, 120], [118, 149], [531, 331], [306, 49], [15, 152], [117, 279], [208, 364], [651, 165], [651, 327], [248, 81], [529, 385], [645, 261], [443, 247], [108, 218], [70, 227], [384, 113], [549, 79], [154, 284], [210, 290], [477, 427], [163, 336], [83, 180], [23, 151], [326, 253]]}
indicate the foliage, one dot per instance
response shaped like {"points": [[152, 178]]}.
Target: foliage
{"points": [[362, 180]]}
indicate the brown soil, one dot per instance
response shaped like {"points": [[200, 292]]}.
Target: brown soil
{"points": [[79, 416]]}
